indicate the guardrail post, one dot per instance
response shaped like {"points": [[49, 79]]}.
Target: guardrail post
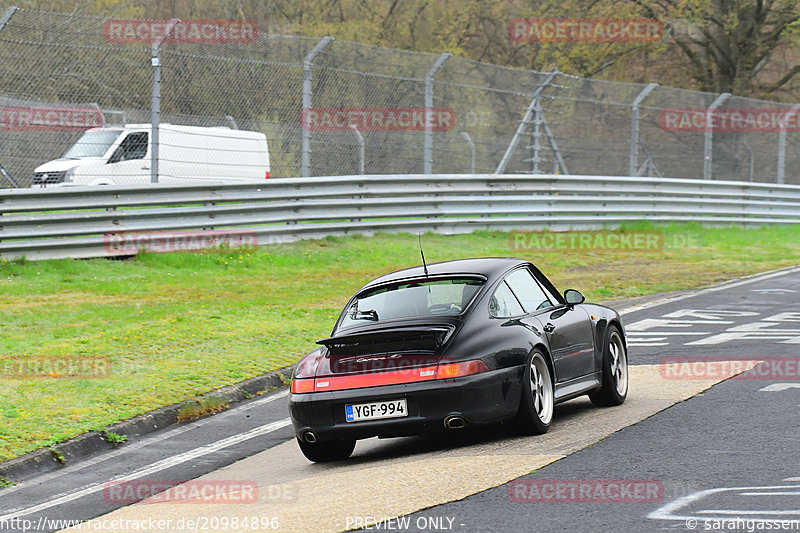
{"points": [[360, 148], [782, 143], [708, 148], [471, 151], [155, 104], [428, 105], [308, 62], [529, 113], [633, 163]]}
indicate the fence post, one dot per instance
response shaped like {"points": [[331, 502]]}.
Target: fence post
{"points": [[633, 163], [782, 142], [536, 135], [708, 148], [360, 148], [529, 114], [428, 105], [471, 151], [305, 156], [3, 21], [155, 103], [7, 16]]}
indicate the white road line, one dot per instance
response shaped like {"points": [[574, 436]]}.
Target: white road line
{"points": [[149, 440], [734, 512], [789, 493], [722, 287], [671, 511], [153, 468], [635, 344], [779, 387], [667, 333]]}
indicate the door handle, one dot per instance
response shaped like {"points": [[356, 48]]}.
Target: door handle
{"points": [[549, 328]]}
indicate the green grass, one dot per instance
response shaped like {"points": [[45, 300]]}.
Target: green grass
{"points": [[175, 326]]}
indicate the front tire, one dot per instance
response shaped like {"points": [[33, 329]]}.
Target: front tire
{"points": [[325, 452], [536, 405], [615, 371]]}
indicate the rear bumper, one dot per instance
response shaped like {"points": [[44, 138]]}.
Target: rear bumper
{"points": [[480, 399]]}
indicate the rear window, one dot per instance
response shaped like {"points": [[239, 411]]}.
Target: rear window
{"points": [[417, 299]]}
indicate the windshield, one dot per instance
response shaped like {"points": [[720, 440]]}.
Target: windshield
{"points": [[93, 144], [418, 299]]}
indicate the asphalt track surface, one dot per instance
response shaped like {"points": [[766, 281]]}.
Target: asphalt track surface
{"points": [[690, 449]]}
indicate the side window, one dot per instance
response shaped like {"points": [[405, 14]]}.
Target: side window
{"points": [[528, 290], [503, 303], [134, 146]]}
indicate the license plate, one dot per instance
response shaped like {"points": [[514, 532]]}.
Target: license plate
{"points": [[375, 410]]}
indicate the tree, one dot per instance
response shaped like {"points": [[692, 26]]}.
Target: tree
{"points": [[747, 47]]}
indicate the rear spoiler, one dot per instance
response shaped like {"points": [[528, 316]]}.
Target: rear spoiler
{"points": [[417, 338]]}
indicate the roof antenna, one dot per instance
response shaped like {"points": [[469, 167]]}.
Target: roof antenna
{"points": [[424, 266]]}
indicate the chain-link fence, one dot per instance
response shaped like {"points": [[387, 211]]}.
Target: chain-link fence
{"points": [[330, 107]]}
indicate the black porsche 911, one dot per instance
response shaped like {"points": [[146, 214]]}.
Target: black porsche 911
{"points": [[451, 345]]}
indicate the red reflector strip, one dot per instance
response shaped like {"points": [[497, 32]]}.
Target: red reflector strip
{"points": [[376, 379], [302, 386], [395, 377]]}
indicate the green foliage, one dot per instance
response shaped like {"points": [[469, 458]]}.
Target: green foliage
{"points": [[58, 455], [114, 439]]}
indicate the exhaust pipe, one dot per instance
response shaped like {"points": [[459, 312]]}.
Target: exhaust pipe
{"points": [[455, 422], [309, 436]]}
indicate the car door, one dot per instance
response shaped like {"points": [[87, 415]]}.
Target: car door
{"points": [[567, 328], [130, 164]]}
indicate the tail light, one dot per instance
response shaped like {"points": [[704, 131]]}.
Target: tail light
{"points": [[457, 370], [302, 386], [394, 377]]}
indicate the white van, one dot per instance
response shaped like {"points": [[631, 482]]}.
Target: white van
{"points": [[186, 154]]}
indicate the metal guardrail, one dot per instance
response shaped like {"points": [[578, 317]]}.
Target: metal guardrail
{"points": [[80, 221]]}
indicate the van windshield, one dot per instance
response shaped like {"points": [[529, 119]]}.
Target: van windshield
{"points": [[93, 144]]}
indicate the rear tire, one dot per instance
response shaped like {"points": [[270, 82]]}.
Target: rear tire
{"points": [[536, 405], [325, 452], [615, 371]]}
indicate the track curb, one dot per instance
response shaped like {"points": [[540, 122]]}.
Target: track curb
{"points": [[59, 455]]}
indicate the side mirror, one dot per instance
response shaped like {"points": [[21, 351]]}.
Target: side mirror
{"points": [[573, 297]]}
